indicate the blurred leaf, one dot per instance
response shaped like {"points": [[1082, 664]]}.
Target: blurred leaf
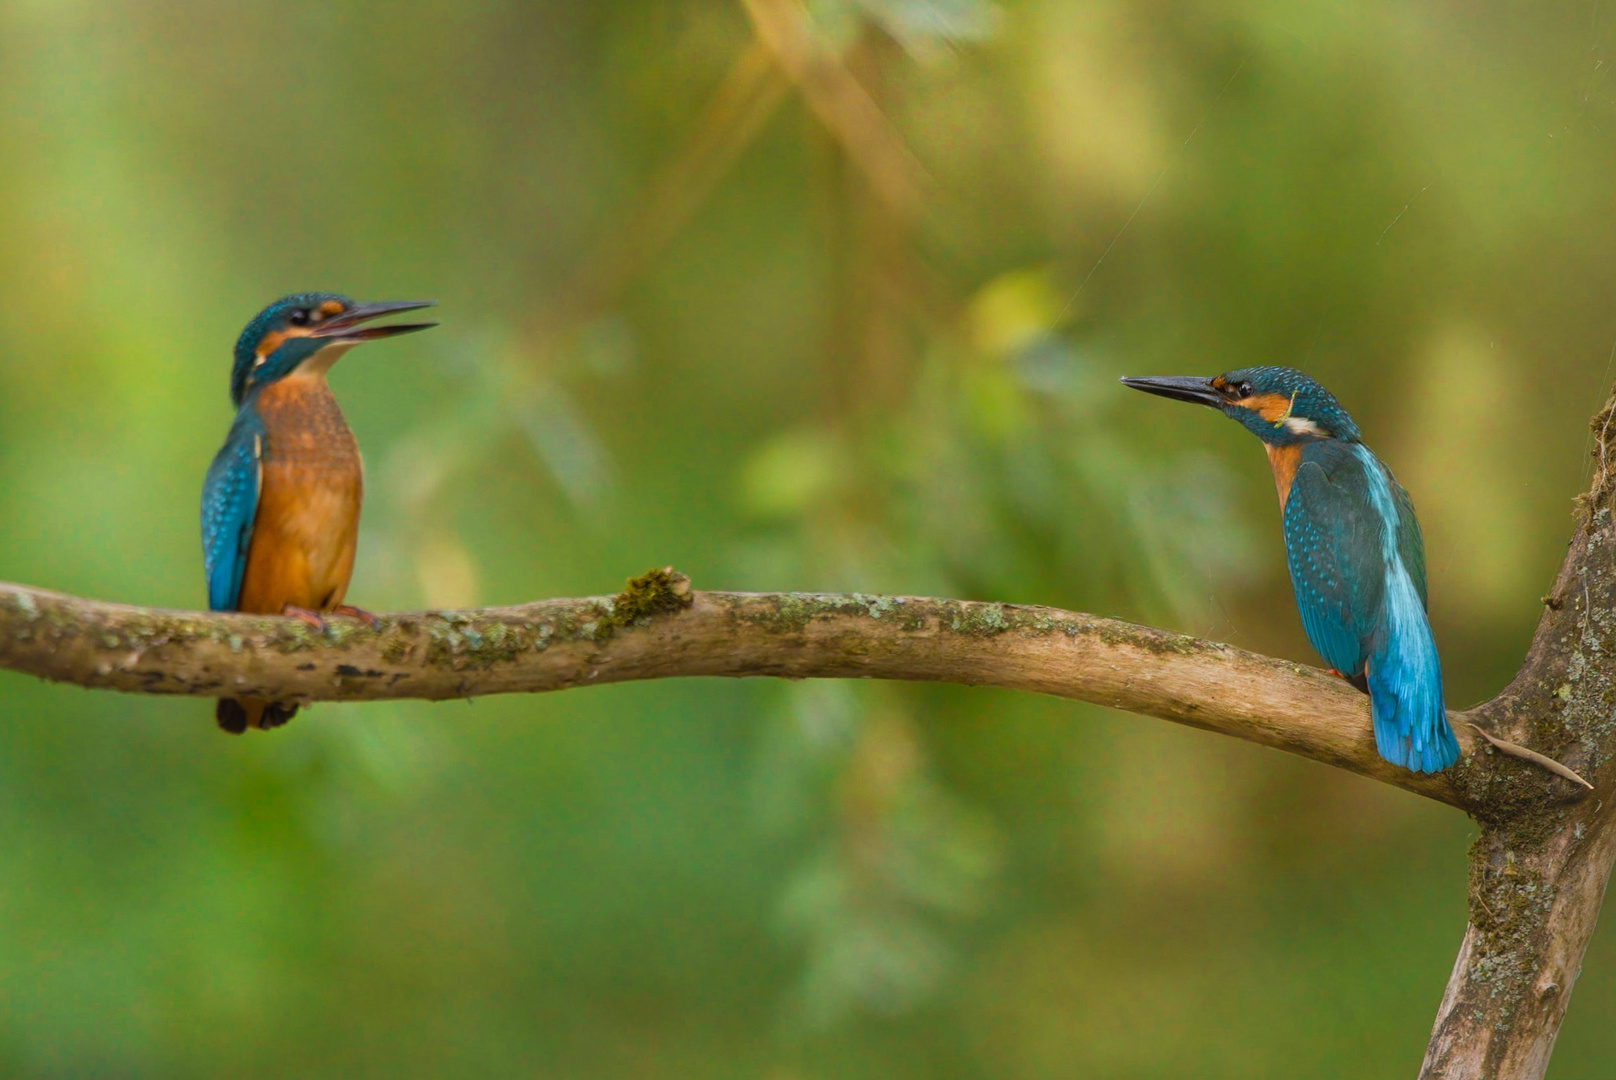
{"points": [[860, 958], [565, 441], [791, 472], [1013, 312], [1051, 366], [871, 905], [993, 400], [1190, 534], [606, 347], [922, 26], [446, 572], [802, 747]]}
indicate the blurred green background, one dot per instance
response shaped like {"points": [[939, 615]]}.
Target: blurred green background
{"points": [[694, 315]]}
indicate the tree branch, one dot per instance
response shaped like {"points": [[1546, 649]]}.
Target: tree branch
{"points": [[658, 629], [1537, 872]]}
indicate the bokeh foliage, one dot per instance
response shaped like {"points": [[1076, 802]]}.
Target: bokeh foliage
{"points": [[687, 333]]}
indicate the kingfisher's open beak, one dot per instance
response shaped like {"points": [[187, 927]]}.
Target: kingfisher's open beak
{"points": [[1178, 387], [346, 326]]}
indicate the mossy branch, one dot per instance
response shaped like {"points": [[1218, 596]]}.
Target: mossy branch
{"points": [[1538, 871], [658, 628]]}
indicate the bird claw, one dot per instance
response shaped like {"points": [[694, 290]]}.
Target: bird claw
{"points": [[1355, 681], [276, 715], [311, 619], [358, 613]]}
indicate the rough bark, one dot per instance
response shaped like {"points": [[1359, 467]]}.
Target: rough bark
{"points": [[1539, 868], [659, 629]]}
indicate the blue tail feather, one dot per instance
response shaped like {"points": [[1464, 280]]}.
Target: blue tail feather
{"points": [[1408, 732], [1405, 687]]}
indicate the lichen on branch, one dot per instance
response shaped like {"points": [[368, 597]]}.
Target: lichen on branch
{"points": [[658, 627]]}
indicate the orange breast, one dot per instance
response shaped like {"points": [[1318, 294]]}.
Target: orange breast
{"points": [[302, 548], [1285, 460]]}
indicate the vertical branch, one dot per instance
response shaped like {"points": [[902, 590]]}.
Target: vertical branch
{"points": [[1539, 869], [874, 268], [1533, 911]]}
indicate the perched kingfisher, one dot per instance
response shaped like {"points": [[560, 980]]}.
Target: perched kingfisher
{"points": [[1356, 558], [280, 507]]}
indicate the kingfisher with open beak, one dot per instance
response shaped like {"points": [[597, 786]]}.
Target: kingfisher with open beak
{"points": [[280, 506], [1356, 558]]}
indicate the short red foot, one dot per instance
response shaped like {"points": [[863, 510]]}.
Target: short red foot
{"points": [[1357, 682], [358, 613], [311, 619]]}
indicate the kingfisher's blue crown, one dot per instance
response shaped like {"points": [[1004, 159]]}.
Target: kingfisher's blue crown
{"points": [[1283, 406]]}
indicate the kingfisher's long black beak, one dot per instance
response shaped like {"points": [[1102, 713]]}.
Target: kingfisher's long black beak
{"points": [[1178, 387], [346, 326]]}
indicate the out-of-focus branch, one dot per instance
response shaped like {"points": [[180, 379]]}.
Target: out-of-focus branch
{"points": [[659, 629], [784, 53], [732, 119], [841, 104]]}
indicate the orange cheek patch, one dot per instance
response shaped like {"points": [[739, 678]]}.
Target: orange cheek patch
{"points": [[1271, 407], [276, 338], [271, 341]]}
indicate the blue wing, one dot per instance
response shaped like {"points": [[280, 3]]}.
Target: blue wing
{"points": [[229, 504], [1358, 565], [1410, 544], [1333, 546]]}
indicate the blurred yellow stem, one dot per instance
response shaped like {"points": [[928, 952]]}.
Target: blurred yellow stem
{"points": [[841, 103]]}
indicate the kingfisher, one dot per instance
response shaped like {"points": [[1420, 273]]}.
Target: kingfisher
{"points": [[1353, 546], [280, 506]]}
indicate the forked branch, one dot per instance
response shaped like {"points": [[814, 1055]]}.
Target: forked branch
{"points": [[1537, 873]]}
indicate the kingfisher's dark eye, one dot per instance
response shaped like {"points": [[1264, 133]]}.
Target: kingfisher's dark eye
{"points": [[299, 317], [1243, 390]]}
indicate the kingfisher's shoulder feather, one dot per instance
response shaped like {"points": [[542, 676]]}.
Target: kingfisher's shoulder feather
{"points": [[229, 505]]}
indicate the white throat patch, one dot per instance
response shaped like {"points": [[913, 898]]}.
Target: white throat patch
{"points": [[321, 361], [1298, 426]]}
